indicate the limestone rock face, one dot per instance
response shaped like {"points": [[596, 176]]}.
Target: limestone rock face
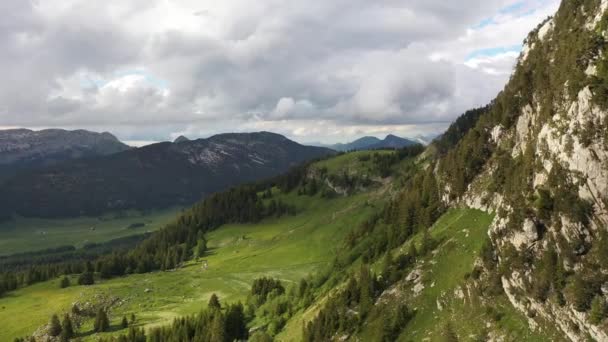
{"points": [[527, 237], [568, 140], [564, 145]]}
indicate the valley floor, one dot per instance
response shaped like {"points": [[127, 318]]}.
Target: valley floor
{"points": [[21, 235], [288, 248]]}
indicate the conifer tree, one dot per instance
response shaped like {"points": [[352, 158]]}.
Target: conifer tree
{"points": [[413, 252], [214, 302], [54, 326], [201, 248], [427, 243], [365, 283], [236, 327], [387, 267], [582, 295], [86, 278], [124, 323], [65, 282], [217, 328], [67, 328], [598, 310]]}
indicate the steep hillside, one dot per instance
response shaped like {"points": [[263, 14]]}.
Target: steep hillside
{"points": [[155, 176], [540, 161], [536, 158], [22, 148]]}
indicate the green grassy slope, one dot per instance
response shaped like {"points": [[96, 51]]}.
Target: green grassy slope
{"points": [[350, 162], [448, 297], [31, 234], [288, 248]]}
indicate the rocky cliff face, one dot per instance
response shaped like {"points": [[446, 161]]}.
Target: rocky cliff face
{"points": [[544, 146]]}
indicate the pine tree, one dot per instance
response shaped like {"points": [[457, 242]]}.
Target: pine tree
{"points": [[65, 282], [86, 278], [54, 326], [387, 267], [214, 302], [427, 242], [218, 333], [413, 252], [67, 328], [365, 284], [581, 293], [598, 310], [75, 309], [236, 327], [124, 324], [102, 323], [132, 318], [201, 248]]}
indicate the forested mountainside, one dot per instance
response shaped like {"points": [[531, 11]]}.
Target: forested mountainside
{"points": [[538, 158], [155, 176], [22, 149]]}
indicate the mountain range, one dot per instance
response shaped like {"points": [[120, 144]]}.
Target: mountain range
{"points": [[155, 176], [372, 143]]}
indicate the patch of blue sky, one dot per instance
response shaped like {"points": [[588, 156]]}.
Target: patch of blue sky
{"points": [[157, 82], [518, 9], [513, 8], [495, 51], [484, 23], [88, 82]]}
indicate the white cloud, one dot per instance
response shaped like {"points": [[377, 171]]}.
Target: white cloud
{"points": [[154, 69]]}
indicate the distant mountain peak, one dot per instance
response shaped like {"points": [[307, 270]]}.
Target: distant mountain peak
{"points": [[372, 143], [181, 139], [44, 147]]}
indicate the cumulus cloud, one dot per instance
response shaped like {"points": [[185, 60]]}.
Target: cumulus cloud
{"points": [[313, 70]]}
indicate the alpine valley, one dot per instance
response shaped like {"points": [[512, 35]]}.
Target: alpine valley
{"points": [[497, 230]]}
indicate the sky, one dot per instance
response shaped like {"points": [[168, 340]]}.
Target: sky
{"points": [[314, 70]]}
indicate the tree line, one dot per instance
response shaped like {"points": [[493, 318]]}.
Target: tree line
{"points": [[166, 249]]}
